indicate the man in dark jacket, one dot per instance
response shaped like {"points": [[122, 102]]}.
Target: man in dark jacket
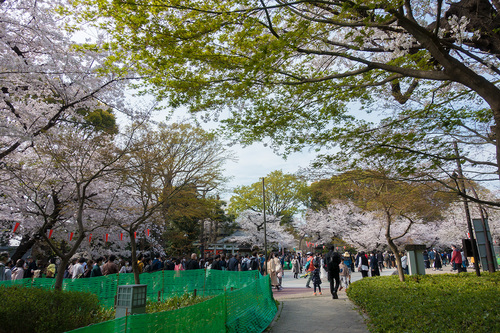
{"points": [[96, 270], [332, 261], [234, 263], [193, 262]]}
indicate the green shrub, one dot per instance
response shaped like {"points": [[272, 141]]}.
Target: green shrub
{"points": [[40, 310], [430, 303], [174, 303]]}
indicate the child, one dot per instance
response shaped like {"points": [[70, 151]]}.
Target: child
{"points": [[345, 275], [316, 279]]}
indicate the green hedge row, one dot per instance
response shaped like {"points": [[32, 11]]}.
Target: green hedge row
{"points": [[40, 310], [430, 303]]}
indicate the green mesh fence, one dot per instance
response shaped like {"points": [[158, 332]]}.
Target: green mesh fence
{"points": [[243, 301], [161, 285], [247, 309]]}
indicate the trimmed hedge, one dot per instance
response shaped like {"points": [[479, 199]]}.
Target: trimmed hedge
{"points": [[41, 310], [430, 303]]}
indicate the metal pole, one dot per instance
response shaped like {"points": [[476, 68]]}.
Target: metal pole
{"points": [[265, 228], [461, 184]]}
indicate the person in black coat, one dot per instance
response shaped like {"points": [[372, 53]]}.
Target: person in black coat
{"points": [[332, 262], [374, 265], [193, 263]]}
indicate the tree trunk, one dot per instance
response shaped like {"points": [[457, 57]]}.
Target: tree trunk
{"points": [[60, 272], [133, 250], [395, 250], [393, 246]]}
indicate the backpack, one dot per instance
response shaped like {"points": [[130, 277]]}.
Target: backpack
{"points": [[244, 265], [309, 263], [254, 265]]}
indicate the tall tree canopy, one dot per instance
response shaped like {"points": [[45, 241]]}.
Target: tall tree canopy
{"points": [[285, 70], [284, 194]]}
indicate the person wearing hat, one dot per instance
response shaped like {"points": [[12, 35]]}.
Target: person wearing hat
{"points": [[309, 268], [347, 260], [345, 273]]}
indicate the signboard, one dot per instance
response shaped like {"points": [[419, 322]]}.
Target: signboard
{"points": [[481, 242]]}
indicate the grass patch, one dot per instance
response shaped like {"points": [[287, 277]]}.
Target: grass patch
{"points": [[430, 303]]}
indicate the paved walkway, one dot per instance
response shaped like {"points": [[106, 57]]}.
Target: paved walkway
{"points": [[301, 311]]}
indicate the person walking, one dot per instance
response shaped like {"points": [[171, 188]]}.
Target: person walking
{"points": [[332, 266], [374, 267], [456, 259], [437, 261], [295, 267], [273, 266], [362, 264], [316, 279], [309, 267], [345, 275]]}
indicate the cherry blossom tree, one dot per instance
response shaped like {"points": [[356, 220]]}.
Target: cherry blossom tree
{"points": [[45, 78], [252, 226], [64, 183], [342, 219]]}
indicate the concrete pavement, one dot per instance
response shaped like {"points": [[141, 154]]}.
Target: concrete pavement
{"points": [[300, 311]]}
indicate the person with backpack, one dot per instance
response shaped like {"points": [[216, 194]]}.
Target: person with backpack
{"points": [[309, 268], [245, 263], [332, 266], [254, 262]]}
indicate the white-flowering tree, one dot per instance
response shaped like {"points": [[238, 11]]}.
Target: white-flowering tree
{"points": [[342, 219], [65, 183], [252, 226], [453, 227], [45, 78]]}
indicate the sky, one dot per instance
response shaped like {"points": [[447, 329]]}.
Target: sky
{"points": [[252, 162]]}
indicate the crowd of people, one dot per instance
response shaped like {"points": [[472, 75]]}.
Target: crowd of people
{"points": [[314, 266], [86, 268]]}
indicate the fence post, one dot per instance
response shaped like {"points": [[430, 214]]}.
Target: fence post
{"points": [[204, 281], [225, 309], [126, 319], [117, 283]]}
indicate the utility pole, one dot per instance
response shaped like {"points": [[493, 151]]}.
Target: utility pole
{"points": [[461, 188]]}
